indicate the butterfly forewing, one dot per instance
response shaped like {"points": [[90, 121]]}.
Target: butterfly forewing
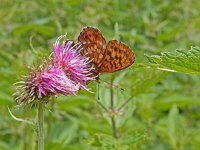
{"points": [[94, 44], [118, 56]]}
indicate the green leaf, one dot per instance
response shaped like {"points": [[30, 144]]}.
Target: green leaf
{"points": [[63, 132], [178, 100], [171, 33], [42, 29], [173, 126], [185, 61], [142, 79], [130, 140]]}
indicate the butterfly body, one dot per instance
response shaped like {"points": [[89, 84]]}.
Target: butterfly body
{"points": [[105, 57]]}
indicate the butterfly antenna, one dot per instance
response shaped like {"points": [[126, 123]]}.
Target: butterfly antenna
{"points": [[116, 86]]}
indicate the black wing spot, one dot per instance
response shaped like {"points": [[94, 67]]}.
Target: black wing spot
{"points": [[114, 63], [120, 61], [111, 65], [111, 47], [108, 52]]}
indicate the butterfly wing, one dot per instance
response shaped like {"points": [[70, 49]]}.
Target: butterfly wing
{"points": [[94, 44], [118, 56]]}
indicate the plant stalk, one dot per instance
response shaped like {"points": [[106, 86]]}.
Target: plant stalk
{"points": [[125, 103], [114, 130], [40, 126]]}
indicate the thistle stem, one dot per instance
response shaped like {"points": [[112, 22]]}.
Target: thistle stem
{"points": [[124, 104], [114, 130], [40, 126]]}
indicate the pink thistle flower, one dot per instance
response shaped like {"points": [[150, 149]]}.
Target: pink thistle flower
{"points": [[66, 73], [46, 81], [68, 56]]}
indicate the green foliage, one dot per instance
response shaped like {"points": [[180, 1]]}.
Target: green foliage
{"points": [[185, 61], [164, 110], [143, 79], [130, 140]]}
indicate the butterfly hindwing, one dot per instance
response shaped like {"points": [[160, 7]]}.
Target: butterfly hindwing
{"points": [[118, 56]]}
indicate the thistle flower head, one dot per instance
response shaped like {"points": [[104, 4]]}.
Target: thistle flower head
{"points": [[65, 73], [68, 56], [46, 81]]}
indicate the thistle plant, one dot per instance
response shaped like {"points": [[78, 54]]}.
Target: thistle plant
{"points": [[65, 73]]}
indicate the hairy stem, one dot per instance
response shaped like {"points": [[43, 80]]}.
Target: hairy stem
{"points": [[40, 126], [114, 130]]}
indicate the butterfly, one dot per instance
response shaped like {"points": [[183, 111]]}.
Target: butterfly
{"points": [[105, 57]]}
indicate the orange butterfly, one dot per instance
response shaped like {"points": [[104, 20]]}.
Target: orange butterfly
{"points": [[106, 58]]}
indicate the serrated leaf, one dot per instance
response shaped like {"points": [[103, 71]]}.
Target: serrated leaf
{"points": [[185, 61]]}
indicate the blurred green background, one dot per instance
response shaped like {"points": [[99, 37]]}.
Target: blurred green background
{"points": [[165, 111]]}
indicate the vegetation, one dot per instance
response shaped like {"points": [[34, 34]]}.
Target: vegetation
{"points": [[161, 87]]}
